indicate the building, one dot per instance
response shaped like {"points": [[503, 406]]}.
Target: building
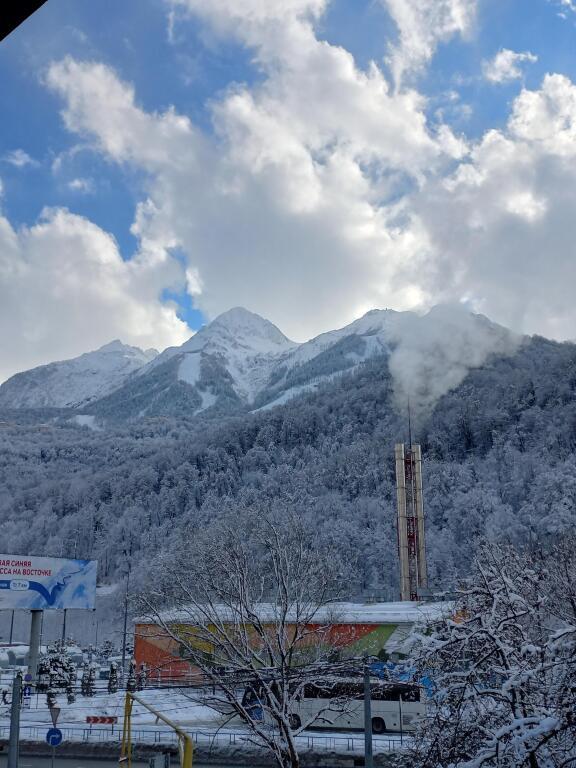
{"points": [[354, 629]]}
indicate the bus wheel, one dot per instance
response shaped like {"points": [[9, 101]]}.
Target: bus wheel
{"points": [[294, 721], [378, 725]]}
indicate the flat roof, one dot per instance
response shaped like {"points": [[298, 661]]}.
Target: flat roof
{"points": [[401, 612]]}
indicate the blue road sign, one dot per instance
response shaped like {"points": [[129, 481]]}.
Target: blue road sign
{"points": [[54, 737], [28, 677]]}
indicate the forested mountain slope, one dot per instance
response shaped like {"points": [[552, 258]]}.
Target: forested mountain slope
{"points": [[498, 451]]}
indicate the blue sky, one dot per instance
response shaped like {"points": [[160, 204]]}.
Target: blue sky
{"points": [[270, 177], [132, 37]]}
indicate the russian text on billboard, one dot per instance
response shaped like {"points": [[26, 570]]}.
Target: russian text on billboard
{"points": [[40, 583]]}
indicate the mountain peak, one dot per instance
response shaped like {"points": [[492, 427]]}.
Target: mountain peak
{"points": [[112, 346], [76, 381], [116, 346], [243, 322], [237, 314], [238, 327]]}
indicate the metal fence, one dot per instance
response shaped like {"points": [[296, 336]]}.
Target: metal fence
{"points": [[314, 742]]}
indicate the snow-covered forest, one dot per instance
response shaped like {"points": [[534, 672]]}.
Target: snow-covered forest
{"points": [[498, 450], [503, 664]]}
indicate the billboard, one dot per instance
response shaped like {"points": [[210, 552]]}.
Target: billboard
{"points": [[43, 583]]}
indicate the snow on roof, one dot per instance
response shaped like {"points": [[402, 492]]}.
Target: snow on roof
{"points": [[404, 612], [388, 613]]}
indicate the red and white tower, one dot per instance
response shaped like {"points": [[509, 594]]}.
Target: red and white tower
{"points": [[411, 543]]}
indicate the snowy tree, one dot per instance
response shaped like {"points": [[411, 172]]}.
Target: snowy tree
{"points": [[51, 698], [43, 675], [501, 446], [505, 665], [259, 623], [70, 690], [113, 678], [91, 682], [69, 674], [85, 681], [107, 649], [59, 664], [141, 677], [56, 672], [131, 681]]}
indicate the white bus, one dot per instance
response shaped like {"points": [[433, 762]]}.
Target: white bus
{"points": [[339, 705]]}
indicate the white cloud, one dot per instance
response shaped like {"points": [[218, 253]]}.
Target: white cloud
{"points": [[84, 186], [249, 17], [64, 289], [568, 5], [505, 66], [19, 158], [286, 206], [101, 106], [324, 192], [422, 26], [502, 227]]}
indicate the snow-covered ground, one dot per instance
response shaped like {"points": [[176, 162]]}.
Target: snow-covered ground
{"points": [[182, 706]]}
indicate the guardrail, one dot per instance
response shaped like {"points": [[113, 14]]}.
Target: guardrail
{"points": [[314, 742]]}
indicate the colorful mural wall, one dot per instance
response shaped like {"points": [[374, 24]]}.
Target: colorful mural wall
{"points": [[163, 655]]}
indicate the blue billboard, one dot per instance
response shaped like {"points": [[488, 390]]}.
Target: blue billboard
{"points": [[44, 583]]}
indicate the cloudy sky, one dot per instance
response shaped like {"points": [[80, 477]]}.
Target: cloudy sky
{"points": [[164, 160]]}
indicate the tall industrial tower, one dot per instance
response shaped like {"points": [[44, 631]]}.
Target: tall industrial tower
{"points": [[411, 543]]}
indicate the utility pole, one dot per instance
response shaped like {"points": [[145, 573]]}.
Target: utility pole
{"points": [[34, 650], [368, 762], [64, 630], [13, 743], [11, 627]]}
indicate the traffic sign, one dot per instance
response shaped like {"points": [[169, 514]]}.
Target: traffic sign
{"points": [[54, 737], [28, 677], [54, 714], [101, 719]]}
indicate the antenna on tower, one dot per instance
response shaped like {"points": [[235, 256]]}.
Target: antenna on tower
{"points": [[409, 427]]}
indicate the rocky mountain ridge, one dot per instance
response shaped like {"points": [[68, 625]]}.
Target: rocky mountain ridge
{"points": [[241, 362], [75, 383]]}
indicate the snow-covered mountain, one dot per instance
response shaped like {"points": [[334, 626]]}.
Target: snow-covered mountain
{"points": [[220, 369], [76, 382], [241, 362], [244, 345], [310, 364]]}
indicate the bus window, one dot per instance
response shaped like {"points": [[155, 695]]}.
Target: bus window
{"points": [[347, 690], [412, 694]]}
